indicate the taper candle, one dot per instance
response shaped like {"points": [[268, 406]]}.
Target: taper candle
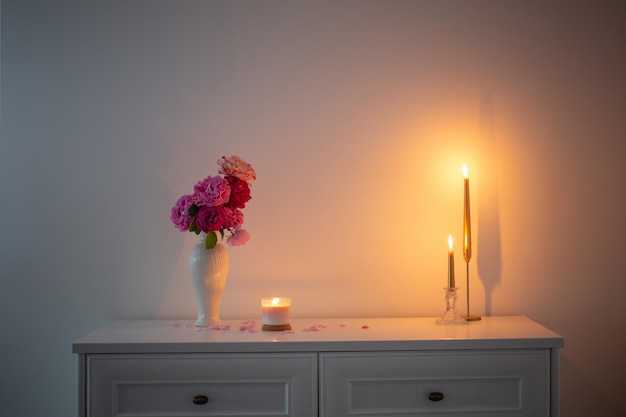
{"points": [[467, 227], [451, 283]]}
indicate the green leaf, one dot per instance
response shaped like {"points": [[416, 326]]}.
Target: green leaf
{"points": [[211, 240], [192, 210], [193, 227]]}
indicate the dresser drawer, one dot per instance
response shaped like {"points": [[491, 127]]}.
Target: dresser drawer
{"points": [[202, 385], [447, 383]]}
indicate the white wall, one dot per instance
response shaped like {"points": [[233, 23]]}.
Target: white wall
{"points": [[357, 116]]}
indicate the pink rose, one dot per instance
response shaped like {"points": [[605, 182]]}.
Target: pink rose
{"points": [[237, 167], [240, 237], [179, 213], [210, 219], [212, 191], [233, 217], [239, 192]]}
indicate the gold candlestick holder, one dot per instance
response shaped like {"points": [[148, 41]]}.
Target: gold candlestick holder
{"points": [[451, 316], [468, 316], [467, 242]]}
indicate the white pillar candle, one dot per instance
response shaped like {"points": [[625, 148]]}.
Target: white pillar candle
{"points": [[276, 311]]}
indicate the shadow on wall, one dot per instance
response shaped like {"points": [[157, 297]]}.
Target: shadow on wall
{"points": [[489, 243]]}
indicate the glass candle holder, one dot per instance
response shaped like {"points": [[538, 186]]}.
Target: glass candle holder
{"points": [[276, 312], [451, 316]]}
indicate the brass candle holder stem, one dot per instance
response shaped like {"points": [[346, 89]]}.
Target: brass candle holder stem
{"points": [[468, 316]]}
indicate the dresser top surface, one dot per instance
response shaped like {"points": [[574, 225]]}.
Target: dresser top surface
{"points": [[327, 334]]}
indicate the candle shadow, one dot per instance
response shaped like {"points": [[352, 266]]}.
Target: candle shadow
{"points": [[489, 256]]}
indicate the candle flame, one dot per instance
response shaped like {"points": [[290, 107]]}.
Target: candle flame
{"points": [[465, 171], [450, 242], [275, 300]]}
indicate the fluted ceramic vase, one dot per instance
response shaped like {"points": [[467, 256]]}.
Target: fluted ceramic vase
{"points": [[209, 270]]}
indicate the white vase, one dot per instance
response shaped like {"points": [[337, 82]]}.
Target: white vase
{"points": [[209, 270]]}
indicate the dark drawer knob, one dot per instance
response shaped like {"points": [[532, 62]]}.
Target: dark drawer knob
{"points": [[200, 399], [435, 396]]}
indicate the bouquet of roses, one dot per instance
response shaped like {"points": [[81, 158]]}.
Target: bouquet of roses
{"points": [[216, 203]]}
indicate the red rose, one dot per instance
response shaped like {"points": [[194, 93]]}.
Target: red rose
{"points": [[239, 192]]}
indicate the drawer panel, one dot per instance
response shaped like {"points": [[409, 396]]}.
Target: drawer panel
{"points": [[469, 383], [166, 397], [202, 385]]}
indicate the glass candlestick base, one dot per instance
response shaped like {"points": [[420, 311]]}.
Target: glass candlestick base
{"points": [[451, 316]]}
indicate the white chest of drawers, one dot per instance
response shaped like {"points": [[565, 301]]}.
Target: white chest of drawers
{"points": [[499, 366]]}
